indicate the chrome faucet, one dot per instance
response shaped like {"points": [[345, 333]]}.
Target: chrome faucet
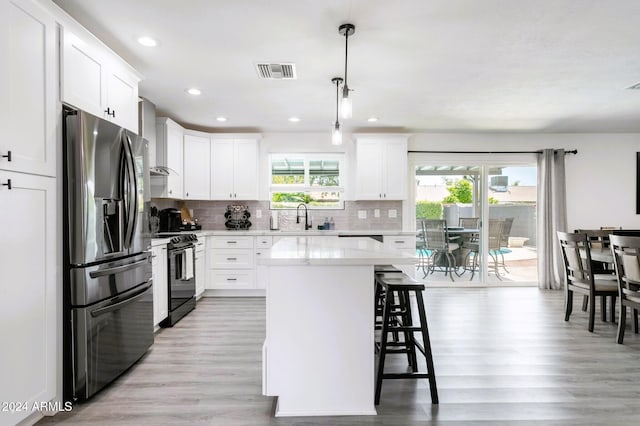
{"points": [[307, 226]]}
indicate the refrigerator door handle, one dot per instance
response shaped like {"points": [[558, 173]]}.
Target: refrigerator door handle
{"points": [[115, 270], [131, 192], [118, 305]]}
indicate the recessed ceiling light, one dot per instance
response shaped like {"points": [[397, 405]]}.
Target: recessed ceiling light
{"points": [[193, 91], [294, 119], [147, 41], [372, 119], [221, 118]]}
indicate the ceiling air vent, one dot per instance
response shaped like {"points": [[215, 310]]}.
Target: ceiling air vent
{"points": [[277, 71]]}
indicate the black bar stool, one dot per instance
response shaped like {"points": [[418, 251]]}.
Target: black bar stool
{"points": [[397, 318], [379, 296]]}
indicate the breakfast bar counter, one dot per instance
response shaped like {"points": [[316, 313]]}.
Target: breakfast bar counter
{"points": [[318, 355]]}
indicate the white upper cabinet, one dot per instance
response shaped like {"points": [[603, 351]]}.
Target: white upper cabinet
{"points": [[28, 82], [381, 168], [169, 151], [96, 80], [234, 167], [196, 167]]}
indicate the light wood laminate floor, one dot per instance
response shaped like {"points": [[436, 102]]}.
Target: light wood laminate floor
{"points": [[502, 356]]}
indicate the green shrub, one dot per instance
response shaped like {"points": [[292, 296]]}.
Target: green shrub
{"points": [[428, 210]]}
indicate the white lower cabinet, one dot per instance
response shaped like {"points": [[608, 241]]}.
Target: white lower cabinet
{"points": [[230, 263], [263, 248], [28, 292], [160, 283], [201, 266]]}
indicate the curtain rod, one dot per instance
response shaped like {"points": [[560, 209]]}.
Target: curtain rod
{"points": [[573, 151]]}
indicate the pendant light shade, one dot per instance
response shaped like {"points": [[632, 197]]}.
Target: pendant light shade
{"points": [[347, 107], [336, 134]]}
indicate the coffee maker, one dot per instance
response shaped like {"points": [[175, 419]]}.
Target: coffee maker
{"points": [[170, 220]]}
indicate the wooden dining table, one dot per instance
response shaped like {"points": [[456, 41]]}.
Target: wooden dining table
{"points": [[599, 254]]}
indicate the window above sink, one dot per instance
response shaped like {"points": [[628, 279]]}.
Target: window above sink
{"points": [[313, 179]]}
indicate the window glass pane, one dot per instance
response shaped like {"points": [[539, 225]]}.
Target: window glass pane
{"points": [[324, 172], [325, 199], [287, 171], [287, 200]]}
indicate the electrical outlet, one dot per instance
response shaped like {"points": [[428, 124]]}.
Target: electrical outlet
{"points": [[376, 213], [362, 214], [258, 214], [393, 213]]}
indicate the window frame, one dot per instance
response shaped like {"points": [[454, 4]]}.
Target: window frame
{"points": [[306, 187]]}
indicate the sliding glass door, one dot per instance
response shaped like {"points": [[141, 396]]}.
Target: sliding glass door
{"points": [[489, 205]]}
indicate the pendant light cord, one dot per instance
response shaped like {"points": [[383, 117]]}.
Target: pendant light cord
{"points": [[346, 55]]}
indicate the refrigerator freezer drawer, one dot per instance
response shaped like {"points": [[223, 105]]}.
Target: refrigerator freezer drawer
{"points": [[109, 337]]}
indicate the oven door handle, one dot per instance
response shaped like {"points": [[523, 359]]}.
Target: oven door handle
{"points": [[118, 305], [115, 270]]}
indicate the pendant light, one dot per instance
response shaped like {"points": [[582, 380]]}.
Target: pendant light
{"points": [[336, 134], [347, 108]]}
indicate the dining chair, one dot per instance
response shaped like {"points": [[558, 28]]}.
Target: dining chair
{"points": [[580, 278], [441, 248], [598, 239], [626, 261]]}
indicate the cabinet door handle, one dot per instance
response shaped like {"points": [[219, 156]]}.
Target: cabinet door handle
{"points": [[110, 112], [8, 184], [231, 242], [398, 242], [235, 195], [171, 191], [187, 194], [230, 195], [380, 195], [232, 258], [7, 156], [385, 195], [232, 279]]}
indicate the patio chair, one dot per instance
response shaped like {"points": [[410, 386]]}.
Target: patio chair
{"points": [[507, 224], [424, 255], [437, 242], [576, 254]]}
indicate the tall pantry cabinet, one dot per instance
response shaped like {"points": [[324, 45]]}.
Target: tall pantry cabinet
{"points": [[29, 302]]}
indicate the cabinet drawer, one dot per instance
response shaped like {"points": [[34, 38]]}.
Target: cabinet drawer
{"points": [[231, 279], [399, 242], [199, 247], [232, 242], [231, 259], [264, 242]]}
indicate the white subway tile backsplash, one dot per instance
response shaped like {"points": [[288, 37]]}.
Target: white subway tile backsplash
{"points": [[210, 214]]}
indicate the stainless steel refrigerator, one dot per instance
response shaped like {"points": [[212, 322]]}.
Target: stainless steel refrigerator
{"points": [[108, 302]]}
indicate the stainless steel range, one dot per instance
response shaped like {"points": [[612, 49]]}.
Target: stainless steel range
{"points": [[181, 277]]}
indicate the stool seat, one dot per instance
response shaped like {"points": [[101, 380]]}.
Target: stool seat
{"points": [[382, 269], [398, 281]]}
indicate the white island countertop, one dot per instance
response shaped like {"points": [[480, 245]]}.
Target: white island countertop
{"points": [[325, 250]]}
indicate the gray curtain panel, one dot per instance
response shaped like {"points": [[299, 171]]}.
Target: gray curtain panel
{"points": [[552, 217]]}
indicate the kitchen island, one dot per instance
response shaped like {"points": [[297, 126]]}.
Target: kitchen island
{"points": [[318, 355]]}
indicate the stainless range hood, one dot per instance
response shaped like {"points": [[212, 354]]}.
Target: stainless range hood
{"points": [[161, 171], [147, 129]]}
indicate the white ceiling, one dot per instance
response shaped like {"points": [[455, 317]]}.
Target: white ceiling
{"points": [[437, 65]]}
